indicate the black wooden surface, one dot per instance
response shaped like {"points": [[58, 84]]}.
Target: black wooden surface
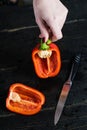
{"points": [[18, 36]]}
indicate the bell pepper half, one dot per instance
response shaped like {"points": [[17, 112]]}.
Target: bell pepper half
{"points": [[24, 100], [46, 59]]}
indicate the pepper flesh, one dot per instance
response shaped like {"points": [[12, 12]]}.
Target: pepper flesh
{"points": [[24, 100], [48, 66]]}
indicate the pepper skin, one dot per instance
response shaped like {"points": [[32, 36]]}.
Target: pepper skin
{"points": [[24, 100], [49, 66]]}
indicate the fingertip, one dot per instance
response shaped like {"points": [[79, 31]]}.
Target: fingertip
{"points": [[60, 35], [45, 37], [57, 37]]}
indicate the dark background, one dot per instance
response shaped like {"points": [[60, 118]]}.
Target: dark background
{"points": [[18, 36]]}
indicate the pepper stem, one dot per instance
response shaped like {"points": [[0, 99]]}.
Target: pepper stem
{"points": [[45, 45], [49, 41]]}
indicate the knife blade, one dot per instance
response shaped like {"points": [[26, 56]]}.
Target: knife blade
{"points": [[66, 88]]}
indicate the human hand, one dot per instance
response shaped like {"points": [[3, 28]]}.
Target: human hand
{"points": [[50, 16], [14, 1]]}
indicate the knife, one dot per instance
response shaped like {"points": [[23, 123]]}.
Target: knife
{"points": [[66, 88]]}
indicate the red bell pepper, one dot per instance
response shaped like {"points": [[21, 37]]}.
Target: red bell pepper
{"points": [[24, 100], [46, 59]]}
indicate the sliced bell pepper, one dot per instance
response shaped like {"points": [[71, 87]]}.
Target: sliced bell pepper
{"points": [[46, 59], [24, 100]]}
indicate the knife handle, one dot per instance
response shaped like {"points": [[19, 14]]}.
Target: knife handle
{"points": [[74, 67]]}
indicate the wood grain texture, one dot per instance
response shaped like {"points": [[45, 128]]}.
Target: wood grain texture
{"points": [[18, 36]]}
